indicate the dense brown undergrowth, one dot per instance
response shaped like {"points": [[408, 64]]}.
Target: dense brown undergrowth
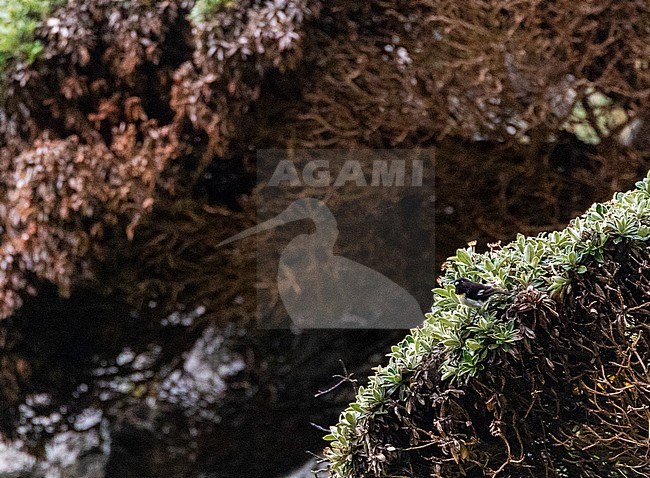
{"points": [[154, 93], [130, 102]]}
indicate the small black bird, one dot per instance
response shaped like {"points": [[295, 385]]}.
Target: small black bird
{"points": [[475, 294]]}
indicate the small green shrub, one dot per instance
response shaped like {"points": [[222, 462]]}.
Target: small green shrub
{"points": [[204, 8], [18, 19], [595, 117]]}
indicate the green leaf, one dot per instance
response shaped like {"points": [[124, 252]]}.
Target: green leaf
{"points": [[473, 344], [463, 256]]}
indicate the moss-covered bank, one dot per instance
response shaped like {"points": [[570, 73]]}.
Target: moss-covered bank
{"points": [[554, 381]]}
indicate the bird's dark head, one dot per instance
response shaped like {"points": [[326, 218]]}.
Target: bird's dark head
{"points": [[461, 285]]}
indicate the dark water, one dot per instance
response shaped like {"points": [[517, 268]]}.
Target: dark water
{"points": [[111, 392]]}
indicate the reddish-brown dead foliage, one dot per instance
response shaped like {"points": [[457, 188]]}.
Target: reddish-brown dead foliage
{"points": [[61, 194], [138, 79], [234, 50]]}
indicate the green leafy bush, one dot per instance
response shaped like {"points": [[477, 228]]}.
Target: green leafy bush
{"points": [[204, 8], [466, 339], [595, 117], [18, 19]]}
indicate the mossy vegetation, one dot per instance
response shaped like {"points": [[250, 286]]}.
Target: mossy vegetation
{"points": [[595, 117], [454, 353], [203, 9], [18, 19]]}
